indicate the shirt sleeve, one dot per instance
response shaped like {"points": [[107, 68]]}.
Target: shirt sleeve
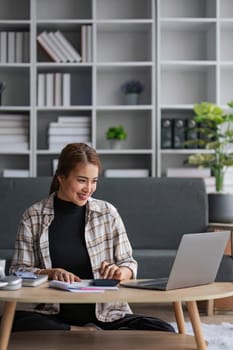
{"points": [[24, 255], [123, 252]]}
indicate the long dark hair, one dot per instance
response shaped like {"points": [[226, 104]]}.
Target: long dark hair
{"points": [[71, 155]]}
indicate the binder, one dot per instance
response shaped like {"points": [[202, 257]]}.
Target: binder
{"points": [[191, 133], [166, 133], [179, 133]]}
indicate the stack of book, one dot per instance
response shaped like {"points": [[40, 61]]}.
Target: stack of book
{"points": [[204, 173], [13, 132], [59, 49], [53, 89], [14, 47], [69, 129]]}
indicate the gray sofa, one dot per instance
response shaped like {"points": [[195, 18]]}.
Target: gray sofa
{"points": [[156, 213]]}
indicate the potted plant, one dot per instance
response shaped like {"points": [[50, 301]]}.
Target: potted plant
{"points": [[132, 89], [116, 134], [216, 135]]}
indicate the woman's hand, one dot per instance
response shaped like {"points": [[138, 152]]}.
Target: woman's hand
{"points": [[110, 271], [60, 275]]}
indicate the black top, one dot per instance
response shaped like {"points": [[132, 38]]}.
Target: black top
{"points": [[68, 250]]}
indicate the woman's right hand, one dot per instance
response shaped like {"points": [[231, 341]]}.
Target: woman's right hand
{"points": [[60, 275]]}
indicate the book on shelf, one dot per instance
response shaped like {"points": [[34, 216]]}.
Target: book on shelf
{"points": [[191, 133], [19, 47], [188, 172], [61, 126], [69, 130], [84, 43], [179, 133], [73, 119], [66, 89], [68, 138], [3, 47], [48, 47], [166, 133], [26, 47], [49, 80], [62, 55], [14, 147], [58, 89], [126, 173], [89, 43], [13, 117], [13, 130], [41, 90], [11, 47], [15, 173], [65, 55], [13, 138], [72, 52]]}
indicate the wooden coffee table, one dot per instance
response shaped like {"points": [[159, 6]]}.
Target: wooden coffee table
{"points": [[110, 339]]}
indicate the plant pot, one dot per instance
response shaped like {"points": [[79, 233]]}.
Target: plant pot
{"points": [[132, 99], [220, 207], [115, 144]]}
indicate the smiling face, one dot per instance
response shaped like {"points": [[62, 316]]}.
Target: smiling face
{"points": [[79, 185]]}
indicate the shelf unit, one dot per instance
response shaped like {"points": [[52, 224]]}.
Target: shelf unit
{"points": [[123, 48], [195, 63], [179, 49]]}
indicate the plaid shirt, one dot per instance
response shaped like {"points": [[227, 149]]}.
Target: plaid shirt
{"points": [[105, 236]]}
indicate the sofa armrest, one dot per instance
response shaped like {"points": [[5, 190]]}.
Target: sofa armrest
{"points": [[217, 226]]}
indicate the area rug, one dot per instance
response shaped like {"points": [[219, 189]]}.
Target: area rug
{"points": [[219, 336]]}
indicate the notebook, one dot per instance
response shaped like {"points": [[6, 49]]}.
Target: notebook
{"points": [[34, 282], [196, 263]]}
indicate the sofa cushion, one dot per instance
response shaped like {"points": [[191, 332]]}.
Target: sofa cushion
{"points": [[18, 194], [154, 263], [157, 211]]}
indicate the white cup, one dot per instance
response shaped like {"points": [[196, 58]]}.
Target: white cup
{"points": [[2, 268]]}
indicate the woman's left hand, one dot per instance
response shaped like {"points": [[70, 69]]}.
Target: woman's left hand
{"points": [[112, 271]]}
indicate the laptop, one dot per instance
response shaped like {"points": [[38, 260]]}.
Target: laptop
{"points": [[196, 263]]}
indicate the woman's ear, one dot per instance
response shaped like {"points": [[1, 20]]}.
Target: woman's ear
{"points": [[60, 178]]}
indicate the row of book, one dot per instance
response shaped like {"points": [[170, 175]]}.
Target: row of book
{"points": [[69, 129], [61, 50], [53, 89], [14, 132], [204, 173], [14, 47], [175, 133], [58, 47]]}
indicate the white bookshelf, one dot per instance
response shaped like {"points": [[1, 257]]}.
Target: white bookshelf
{"points": [[179, 49], [118, 31], [195, 63]]}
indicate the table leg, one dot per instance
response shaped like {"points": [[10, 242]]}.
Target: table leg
{"points": [[6, 323], [178, 310], [196, 324]]}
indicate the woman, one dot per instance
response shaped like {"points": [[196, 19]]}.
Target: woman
{"points": [[71, 236]]}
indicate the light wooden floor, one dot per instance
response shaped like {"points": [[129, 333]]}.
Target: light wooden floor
{"points": [[165, 312]]}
